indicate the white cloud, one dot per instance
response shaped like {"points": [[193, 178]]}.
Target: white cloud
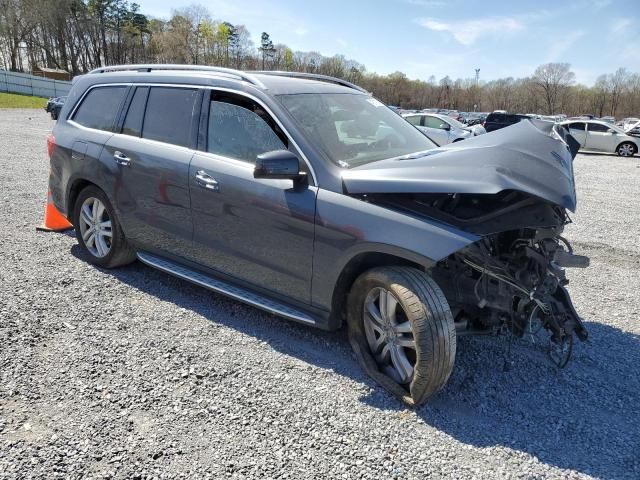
{"points": [[467, 32], [559, 48], [621, 25], [427, 3]]}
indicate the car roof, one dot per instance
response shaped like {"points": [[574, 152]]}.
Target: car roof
{"points": [[271, 83]]}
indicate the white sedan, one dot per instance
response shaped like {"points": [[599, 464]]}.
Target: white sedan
{"points": [[442, 129], [600, 136]]}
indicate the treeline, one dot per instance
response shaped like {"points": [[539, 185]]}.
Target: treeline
{"points": [[79, 35]]}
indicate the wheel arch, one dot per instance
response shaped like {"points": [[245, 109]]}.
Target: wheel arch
{"points": [[356, 266], [74, 189]]}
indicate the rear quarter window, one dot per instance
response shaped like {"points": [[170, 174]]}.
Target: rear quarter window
{"points": [[100, 107]]}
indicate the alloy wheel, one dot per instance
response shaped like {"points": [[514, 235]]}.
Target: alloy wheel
{"points": [[626, 150], [95, 227], [389, 335]]}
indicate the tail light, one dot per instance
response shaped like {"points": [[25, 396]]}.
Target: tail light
{"points": [[51, 144]]}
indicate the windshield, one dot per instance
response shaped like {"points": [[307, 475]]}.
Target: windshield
{"points": [[354, 129]]}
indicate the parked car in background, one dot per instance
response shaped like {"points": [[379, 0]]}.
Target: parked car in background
{"points": [[599, 136], [610, 120], [305, 196], [474, 118], [56, 107], [628, 123], [633, 130], [500, 119], [50, 103], [442, 129]]}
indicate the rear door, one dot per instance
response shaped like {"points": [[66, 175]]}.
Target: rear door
{"points": [[259, 231], [578, 131], [600, 138], [83, 136], [152, 154]]}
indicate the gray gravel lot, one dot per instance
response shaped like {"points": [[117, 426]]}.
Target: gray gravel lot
{"points": [[134, 374]]}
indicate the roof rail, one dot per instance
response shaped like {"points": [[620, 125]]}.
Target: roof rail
{"points": [[313, 76], [230, 72]]}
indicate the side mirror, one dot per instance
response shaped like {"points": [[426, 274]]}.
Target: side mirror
{"points": [[445, 126], [611, 130], [278, 164]]}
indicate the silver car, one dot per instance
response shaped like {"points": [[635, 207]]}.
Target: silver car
{"points": [[442, 129], [599, 136]]}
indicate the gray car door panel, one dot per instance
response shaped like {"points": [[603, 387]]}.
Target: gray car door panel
{"points": [[151, 192], [258, 231]]}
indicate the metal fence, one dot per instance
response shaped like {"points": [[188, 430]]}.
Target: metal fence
{"points": [[14, 82]]}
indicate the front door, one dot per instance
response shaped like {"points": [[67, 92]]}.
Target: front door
{"points": [[439, 130], [600, 138], [258, 231]]}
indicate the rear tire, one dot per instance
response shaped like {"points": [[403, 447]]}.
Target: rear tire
{"points": [[98, 231], [421, 303]]}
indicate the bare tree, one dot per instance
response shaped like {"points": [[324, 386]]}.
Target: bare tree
{"points": [[553, 80]]}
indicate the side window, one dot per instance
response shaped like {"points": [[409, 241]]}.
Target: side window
{"points": [[596, 127], [434, 122], [168, 116], [241, 130], [413, 120], [577, 126], [133, 120], [100, 107]]}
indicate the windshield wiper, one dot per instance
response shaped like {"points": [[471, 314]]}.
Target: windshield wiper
{"points": [[411, 156]]}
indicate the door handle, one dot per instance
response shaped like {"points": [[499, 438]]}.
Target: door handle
{"points": [[205, 180], [121, 158]]}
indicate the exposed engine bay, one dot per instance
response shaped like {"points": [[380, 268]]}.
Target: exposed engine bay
{"points": [[511, 281]]}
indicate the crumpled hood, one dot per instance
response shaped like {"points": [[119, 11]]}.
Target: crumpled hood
{"points": [[529, 157]]}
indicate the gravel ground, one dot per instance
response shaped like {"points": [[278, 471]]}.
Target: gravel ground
{"points": [[134, 374]]}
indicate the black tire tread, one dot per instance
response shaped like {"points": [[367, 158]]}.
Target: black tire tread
{"points": [[432, 325]]}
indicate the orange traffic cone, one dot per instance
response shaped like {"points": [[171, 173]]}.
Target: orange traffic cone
{"points": [[54, 221]]}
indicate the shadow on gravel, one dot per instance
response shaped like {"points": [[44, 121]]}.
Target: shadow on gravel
{"points": [[585, 417]]}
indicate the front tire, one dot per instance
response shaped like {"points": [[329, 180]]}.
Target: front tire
{"points": [[98, 230], [626, 149], [402, 331]]}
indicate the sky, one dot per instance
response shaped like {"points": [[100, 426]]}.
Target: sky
{"points": [[444, 37]]}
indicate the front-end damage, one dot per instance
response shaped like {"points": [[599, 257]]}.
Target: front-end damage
{"points": [[511, 281], [513, 190]]}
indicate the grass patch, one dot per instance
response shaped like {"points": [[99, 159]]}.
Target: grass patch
{"points": [[12, 100]]}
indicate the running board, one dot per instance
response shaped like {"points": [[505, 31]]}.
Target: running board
{"points": [[220, 286]]}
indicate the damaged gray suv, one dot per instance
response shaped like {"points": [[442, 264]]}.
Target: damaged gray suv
{"points": [[305, 196]]}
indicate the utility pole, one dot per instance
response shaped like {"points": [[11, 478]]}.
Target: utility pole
{"points": [[475, 106]]}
